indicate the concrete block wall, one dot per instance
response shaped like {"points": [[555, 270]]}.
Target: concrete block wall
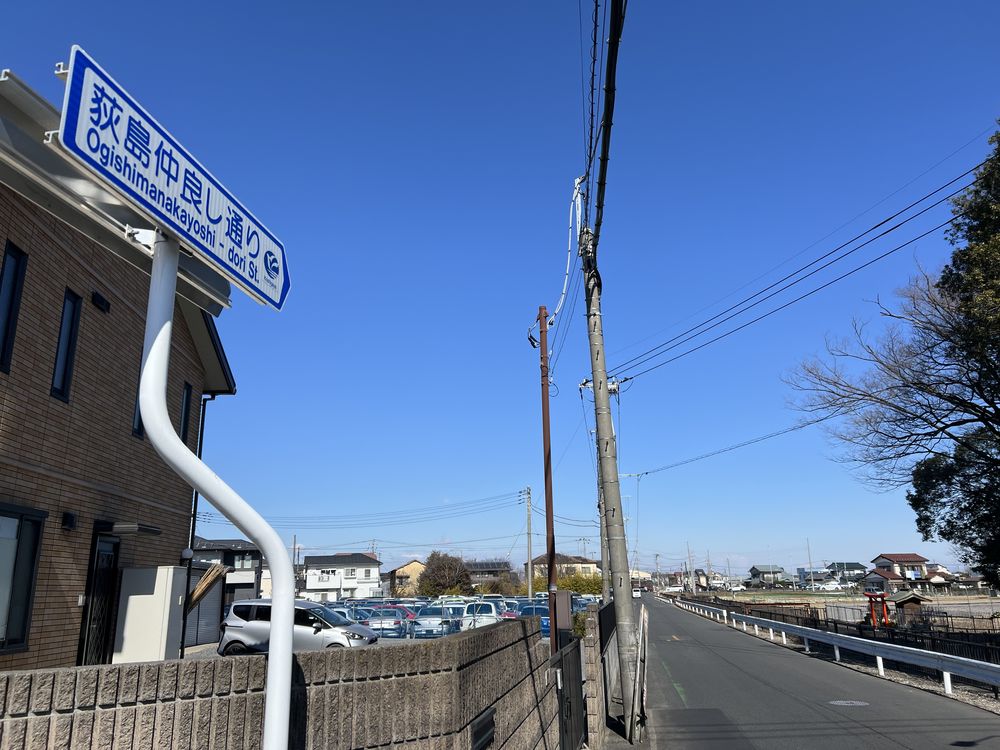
{"points": [[422, 695], [593, 673]]}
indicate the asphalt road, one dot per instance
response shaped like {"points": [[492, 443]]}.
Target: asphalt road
{"points": [[710, 686]]}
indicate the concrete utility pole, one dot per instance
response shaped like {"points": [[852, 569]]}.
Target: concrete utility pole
{"points": [[550, 536], [809, 556], [657, 558], [605, 557], [607, 456], [694, 589], [531, 560]]}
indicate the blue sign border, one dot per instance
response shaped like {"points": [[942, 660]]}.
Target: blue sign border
{"points": [[80, 61]]}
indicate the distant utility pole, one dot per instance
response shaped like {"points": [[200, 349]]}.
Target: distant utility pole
{"points": [[657, 558], [531, 560], [809, 556], [550, 537], [694, 589]]}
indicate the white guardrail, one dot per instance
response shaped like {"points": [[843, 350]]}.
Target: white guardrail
{"points": [[980, 671]]}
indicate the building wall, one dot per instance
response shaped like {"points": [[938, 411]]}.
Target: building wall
{"points": [[81, 456], [336, 585], [423, 695]]}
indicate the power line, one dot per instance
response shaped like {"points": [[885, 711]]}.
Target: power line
{"points": [[744, 444], [793, 301], [694, 332]]}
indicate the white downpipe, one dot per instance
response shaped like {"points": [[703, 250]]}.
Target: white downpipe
{"points": [[156, 420]]}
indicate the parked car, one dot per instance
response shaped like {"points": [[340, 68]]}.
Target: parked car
{"points": [[389, 622], [479, 614], [637, 593], [359, 615], [437, 621], [247, 628], [738, 587], [537, 610]]}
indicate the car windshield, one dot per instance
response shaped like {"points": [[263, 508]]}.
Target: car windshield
{"points": [[431, 612], [333, 618]]}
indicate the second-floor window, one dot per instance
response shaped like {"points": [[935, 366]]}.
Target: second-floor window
{"points": [[368, 572], [242, 562], [11, 283], [351, 573], [69, 327]]}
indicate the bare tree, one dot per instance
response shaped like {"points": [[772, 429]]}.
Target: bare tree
{"points": [[919, 390]]}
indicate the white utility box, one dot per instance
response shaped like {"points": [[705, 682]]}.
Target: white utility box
{"points": [[150, 614]]}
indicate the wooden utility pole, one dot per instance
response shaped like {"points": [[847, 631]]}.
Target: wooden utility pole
{"points": [[550, 537]]}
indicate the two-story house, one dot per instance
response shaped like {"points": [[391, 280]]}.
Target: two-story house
{"points": [[244, 559], [766, 575], [846, 572], [83, 494], [345, 575], [482, 572], [906, 565], [566, 565], [402, 581]]}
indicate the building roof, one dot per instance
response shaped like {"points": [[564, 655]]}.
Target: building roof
{"points": [[902, 557], [341, 558], [56, 185], [768, 568], [486, 565], [400, 567], [846, 566], [224, 544], [562, 559], [887, 574]]}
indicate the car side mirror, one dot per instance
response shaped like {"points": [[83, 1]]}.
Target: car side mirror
{"points": [[317, 627]]}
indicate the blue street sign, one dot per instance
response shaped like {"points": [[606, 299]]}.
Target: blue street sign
{"points": [[116, 139]]}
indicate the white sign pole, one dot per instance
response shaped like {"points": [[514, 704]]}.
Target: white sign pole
{"points": [[156, 420]]}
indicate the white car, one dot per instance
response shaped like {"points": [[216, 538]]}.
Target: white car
{"points": [[738, 587], [637, 593], [479, 614]]}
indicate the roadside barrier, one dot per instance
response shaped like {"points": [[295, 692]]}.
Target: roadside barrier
{"points": [[947, 665]]}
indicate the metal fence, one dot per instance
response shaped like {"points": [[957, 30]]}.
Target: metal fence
{"points": [[568, 661]]}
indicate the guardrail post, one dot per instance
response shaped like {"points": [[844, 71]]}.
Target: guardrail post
{"points": [[725, 616], [771, 631], [756, 630], [947, 683], [784, 641], [744, 626], [880, 665], [836, 652], [806, 642]]}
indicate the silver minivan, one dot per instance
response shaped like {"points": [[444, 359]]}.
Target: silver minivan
{"points": [[247, 628]]}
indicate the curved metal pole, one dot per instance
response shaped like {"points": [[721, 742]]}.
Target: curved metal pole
{"points": [[156, 420]]}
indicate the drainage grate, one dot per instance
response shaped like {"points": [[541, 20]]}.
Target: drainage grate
{"points": [[849, 703]]}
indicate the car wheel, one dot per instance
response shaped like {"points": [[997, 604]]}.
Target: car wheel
{"points": [[235, 649], [336, 645]]}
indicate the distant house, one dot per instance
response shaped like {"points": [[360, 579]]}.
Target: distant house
{"points": [[402, 581], [766, 575], [805, 577], [489, 571], [884, 580], [907, 565], [846, 572], [345, 575], [566, 565], [243, 581]]}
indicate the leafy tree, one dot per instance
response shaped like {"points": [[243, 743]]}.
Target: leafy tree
{"points": [[444, 574], [918, 405], [581, 584]]}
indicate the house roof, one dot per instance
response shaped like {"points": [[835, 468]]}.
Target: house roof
{"points": [[846, 566], [902, 557], [341, 558], [768, 568], [487, 565], [562, 559], [400, 567], [887, 574], [224, 544]]}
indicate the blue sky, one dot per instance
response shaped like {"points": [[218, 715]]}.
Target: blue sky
{"points": [[417, 161]]}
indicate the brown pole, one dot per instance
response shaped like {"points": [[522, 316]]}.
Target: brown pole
{"points": [[550, 538]]}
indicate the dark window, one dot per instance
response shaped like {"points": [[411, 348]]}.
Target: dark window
{"points": [[242, 611], [185, 412], [11, 282], [62, 374], [262, 613], [306, 618], [20, 532]]}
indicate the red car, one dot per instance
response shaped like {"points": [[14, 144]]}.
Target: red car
{"points": [[410, 614]]}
